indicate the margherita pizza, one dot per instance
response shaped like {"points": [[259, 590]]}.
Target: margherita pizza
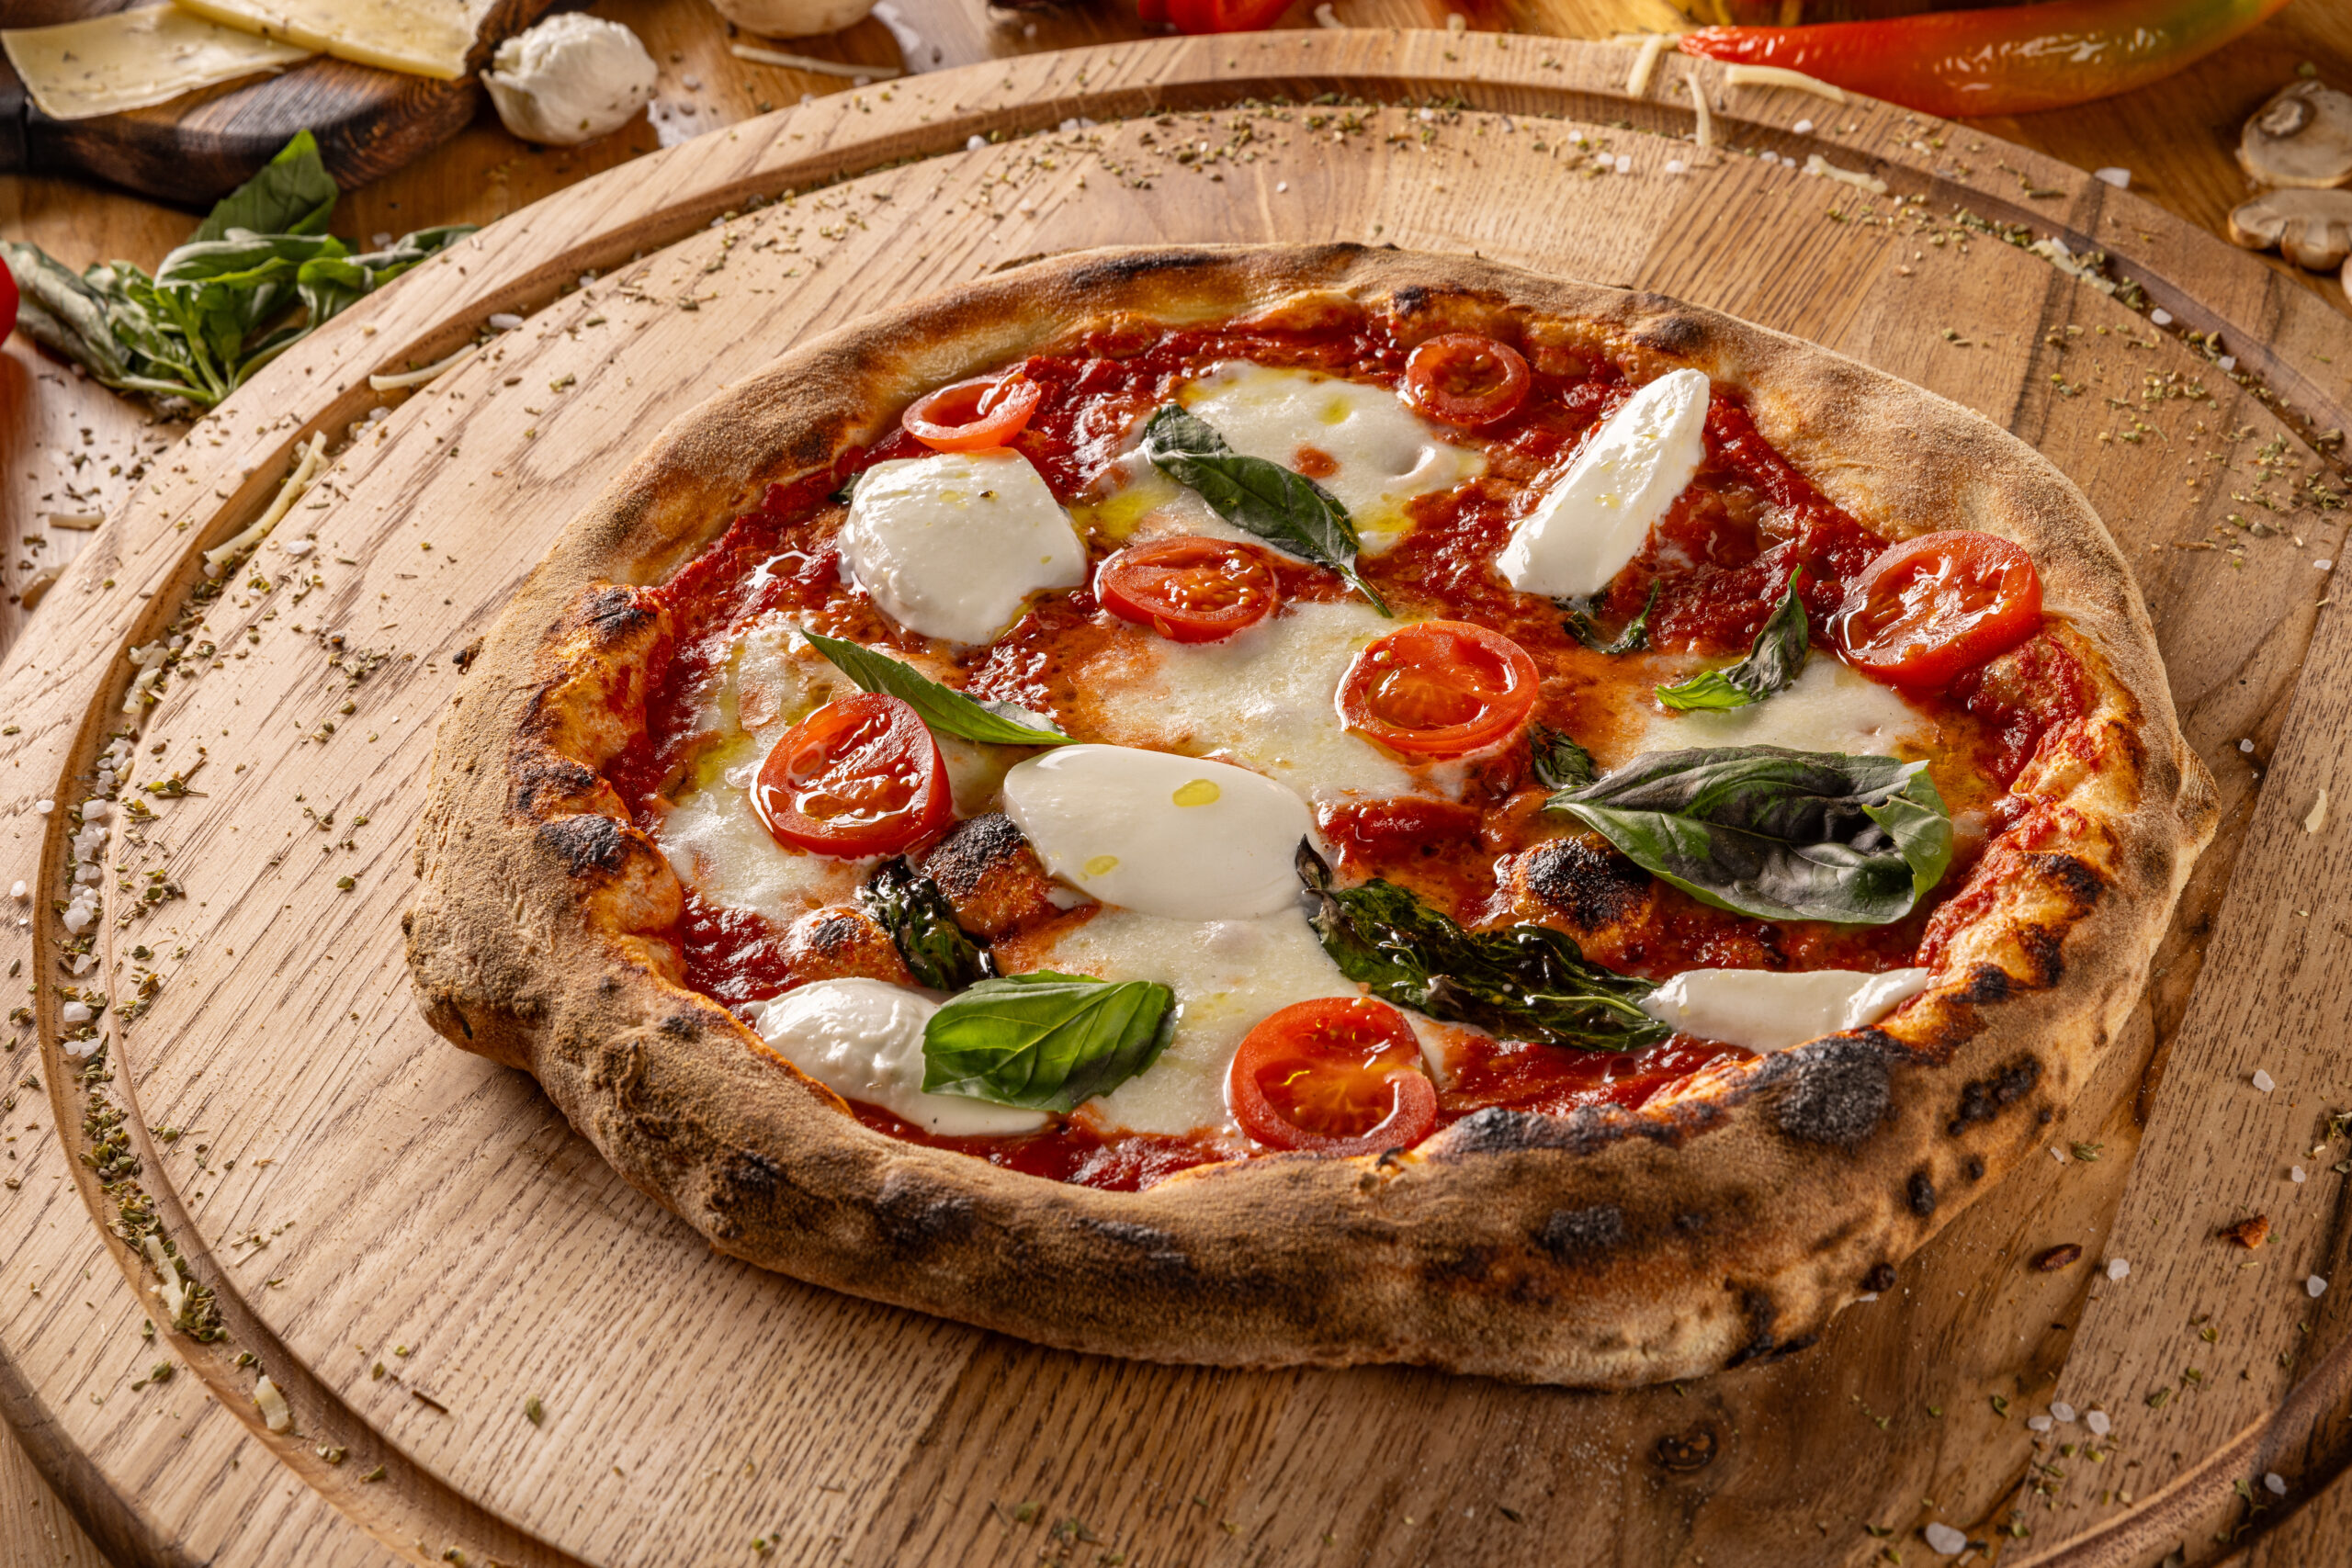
{"points": [[1316, 806]]}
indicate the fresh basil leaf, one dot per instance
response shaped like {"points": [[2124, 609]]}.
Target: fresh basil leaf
{"points": [[1043, 1040], [1560, 762], [1775, 658], [942, 707], [923, 927], [291, 194], [63, 311], [1523, 982], [1290, 509], [1777, 834], [1632, 640], [331, 285]]}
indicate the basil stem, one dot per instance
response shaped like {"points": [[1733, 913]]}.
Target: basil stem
{"points": [[942, 707], [923, 927], [1043, 1040], [1777, 834], [1290, 509], [1774, 661], [1632, 640], [1522, 983]]}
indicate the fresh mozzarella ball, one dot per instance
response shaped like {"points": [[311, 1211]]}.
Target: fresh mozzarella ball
{"points": [[1765, 1009], [1161, 834], [953, 545], [1594, 521], [571, 78], [863, 1039]]}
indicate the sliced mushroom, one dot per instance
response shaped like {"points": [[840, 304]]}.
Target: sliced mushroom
{"points": [[2301, 137], [2311, 228]]}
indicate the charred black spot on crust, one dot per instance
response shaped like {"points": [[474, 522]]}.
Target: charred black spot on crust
{"points": [[1761, 1347], [1581, 1233], [540, 774], [1468, 1267], [918, 1216], [836, 933], [1113, 270], [2079, 880], [1498, 1130], [1974, 1167], [749, 1181], [1584, 887], [1981, 1099], [1675, 334], [1152, 1244], [614, 612], [976, 846], [681, 1026], [2040, 945], [586, 843], [1987, 982], [1920, 1193], [1835, 1092], [1881, 1277]]}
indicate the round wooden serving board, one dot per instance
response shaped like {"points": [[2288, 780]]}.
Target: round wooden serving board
{"points": [[495, 1350]]}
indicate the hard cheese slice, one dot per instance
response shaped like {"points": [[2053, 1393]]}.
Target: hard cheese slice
{"points": [[425, 37], [132, 59]]}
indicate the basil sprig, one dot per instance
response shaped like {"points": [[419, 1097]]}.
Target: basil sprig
{"points": [[1043, 1040], [1523, 982], [1774, 659], [1560, 762], [1632, 640], [942, 707], [1777, 834], [921, 923], [1273, 502]]}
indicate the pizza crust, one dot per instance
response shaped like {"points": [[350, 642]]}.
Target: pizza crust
{"points": [[1605, 1248]]}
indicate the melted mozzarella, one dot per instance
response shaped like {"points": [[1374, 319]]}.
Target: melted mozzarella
{"points": [[1386, 454], [953, 545], [1829, 707], [1764, 1010], [1158, 833], [1594, 519], [1227, 975], [1265, 698], [863, 1039], [718, 846]]}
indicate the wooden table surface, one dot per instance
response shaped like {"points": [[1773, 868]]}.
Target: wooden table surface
{"points": [[71, 448]]}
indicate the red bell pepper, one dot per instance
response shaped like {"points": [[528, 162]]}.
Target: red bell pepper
{"points": [[2014, 59]]}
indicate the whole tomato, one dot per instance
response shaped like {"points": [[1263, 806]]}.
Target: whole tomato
{"points": [[8, 302]]}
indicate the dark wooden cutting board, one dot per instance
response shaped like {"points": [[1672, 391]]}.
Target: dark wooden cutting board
{"points": [[194, 149]]}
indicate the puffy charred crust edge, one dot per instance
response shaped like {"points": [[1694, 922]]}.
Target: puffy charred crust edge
{"points": [[1607, 1249]]}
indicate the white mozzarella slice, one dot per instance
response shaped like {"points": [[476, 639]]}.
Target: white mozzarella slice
{"points": [[1161, 834], [1227, 976], [1265, 698], [1594, 519], [1829, 707], [863, 1039], [1386, 454], [953, 545], [1764, 1010]]}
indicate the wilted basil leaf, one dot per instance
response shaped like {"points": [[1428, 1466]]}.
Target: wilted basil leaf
{"points": [[1632, 640], [1043, 1040], [1269, 499], [1777, 834], [1560, 762], [1523, 982], [923, 927], [942, 707], [1774, 659]]}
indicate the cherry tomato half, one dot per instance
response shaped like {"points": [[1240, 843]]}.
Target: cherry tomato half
{"points": [[1463, 378], [1439, 689], [861, 776], [1932, 607], [1214, 15], [1341, 1075], [1189, 589], [987, 411]]}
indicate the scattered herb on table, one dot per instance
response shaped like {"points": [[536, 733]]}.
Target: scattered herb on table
{"points": [[1046, 1041], [1774, 661]]}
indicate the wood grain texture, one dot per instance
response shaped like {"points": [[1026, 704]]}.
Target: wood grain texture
{"points": [[434, 1204]]}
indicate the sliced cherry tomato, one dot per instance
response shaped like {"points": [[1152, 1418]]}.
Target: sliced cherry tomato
{"points": [[1439, 689], [861, 776], [1463, 378], [1221, 16], [1189, 589], [1933, 607], [1341, 1075], [987, 411]]}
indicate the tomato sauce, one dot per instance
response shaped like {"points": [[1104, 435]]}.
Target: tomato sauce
{"points": [[1715, 565]]}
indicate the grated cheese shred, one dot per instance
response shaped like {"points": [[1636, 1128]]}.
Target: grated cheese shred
{"points": [[1782, 76]]}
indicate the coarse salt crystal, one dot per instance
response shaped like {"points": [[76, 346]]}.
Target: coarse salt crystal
{"points": [[2058, 1154], [2063, 1412], [43, 807], [2161, 316], [2228, 362], [2264, 1081], [1944, 1540], [2117, 1267], [2275, 1483], [2097, 1422], [2324, 563], [975, 143], [1280, 186], [2314, 1286], [79, 1013], [2039, 1422], [2296, 1173], [2245, 745], [504, 321], [20, 893], [2120, 178], [1624, 163], [1802, 127]]}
